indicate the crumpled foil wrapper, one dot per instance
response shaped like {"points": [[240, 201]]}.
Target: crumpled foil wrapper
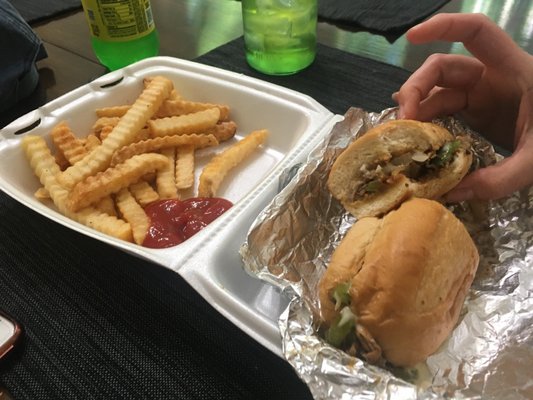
{"points": [[489, 355]]}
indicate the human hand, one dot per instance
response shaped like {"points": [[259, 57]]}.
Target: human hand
{"points": [[492, 91]]}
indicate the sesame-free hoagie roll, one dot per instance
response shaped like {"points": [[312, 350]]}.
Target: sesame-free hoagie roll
{"points": [[395, 161], [402, 279]]}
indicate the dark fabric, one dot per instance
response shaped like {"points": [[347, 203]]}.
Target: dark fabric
{"points": [[379, 16], [37, 10], [102, 324], [20, 48]]}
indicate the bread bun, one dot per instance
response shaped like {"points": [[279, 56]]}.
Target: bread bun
{"points": [[395, 161], [408, 274]]}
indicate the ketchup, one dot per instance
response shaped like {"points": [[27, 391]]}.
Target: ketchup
{"points": [[174, 221]]}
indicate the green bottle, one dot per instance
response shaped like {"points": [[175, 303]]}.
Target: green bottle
{"points": [[279, 35], [122, 31]]}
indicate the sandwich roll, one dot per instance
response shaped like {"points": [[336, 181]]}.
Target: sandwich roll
{"points": [[397, 160], [402, 279]]}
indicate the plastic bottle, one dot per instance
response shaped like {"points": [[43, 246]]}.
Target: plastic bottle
{"points": [[122, 31]]}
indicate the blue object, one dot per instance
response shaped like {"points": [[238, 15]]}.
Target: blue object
{"points": [[20, 48]]}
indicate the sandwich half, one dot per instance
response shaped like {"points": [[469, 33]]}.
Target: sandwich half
{"points": [[395, 161], [395, 286]]}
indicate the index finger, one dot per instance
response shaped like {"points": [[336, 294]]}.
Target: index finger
{"points": [[482, 37]]}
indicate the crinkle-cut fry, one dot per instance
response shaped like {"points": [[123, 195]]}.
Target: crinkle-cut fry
{"points": [[61, 161], [106, 205], [119, 111], [104, 122], [42, 194], [110, 181], [166, 180], [67, 143], [105, 131], [184, 166], [174, 95], [144, 193], [124, 133], [112, 112], [144, 134], [158, 143], [223, 130], [184, 124], [91, 141], [174, 108], [43, 164], [217, 168], [133, 213]]}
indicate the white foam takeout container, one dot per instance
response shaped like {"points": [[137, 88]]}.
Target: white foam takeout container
{"points": [[210, 260]]}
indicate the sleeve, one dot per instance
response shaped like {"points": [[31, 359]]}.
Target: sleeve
{"points": [[20, 48]]}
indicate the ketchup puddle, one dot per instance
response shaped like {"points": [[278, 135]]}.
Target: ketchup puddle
{"points": [[174, 221]]}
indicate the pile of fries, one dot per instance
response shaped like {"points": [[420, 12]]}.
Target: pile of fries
{"points": [[134, 155]]}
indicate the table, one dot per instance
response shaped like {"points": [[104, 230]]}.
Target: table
{"points": [[162, 351]]}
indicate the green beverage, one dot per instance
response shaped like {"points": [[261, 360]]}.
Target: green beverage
{"points": [[279, 35], [119, 54], [122, 31]]}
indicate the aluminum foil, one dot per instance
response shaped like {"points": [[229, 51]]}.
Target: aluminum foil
{"points": [[489, 355]]}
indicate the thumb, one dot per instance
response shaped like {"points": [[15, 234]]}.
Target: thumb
{"points": [[497, 181], [509, 175]]}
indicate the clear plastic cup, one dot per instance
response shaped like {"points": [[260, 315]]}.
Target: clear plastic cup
{"points": [[279, 35]]}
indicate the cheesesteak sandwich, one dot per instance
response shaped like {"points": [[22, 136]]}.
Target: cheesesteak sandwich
{"points": [[395, 286], [397, 160]]}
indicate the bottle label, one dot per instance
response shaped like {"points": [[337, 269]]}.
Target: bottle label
{"points": [[119, 20]]}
